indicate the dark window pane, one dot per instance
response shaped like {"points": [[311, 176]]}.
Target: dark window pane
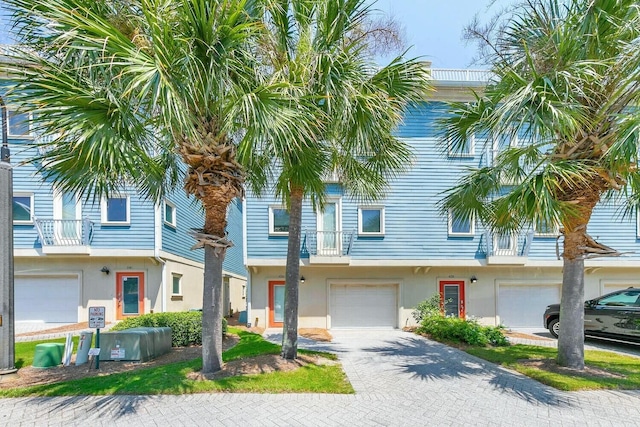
{"points": [[460, 225], [18, 123], [168, 214], [21, 208], [280, 221], [117, 210], [176, 285], [371, 220]]}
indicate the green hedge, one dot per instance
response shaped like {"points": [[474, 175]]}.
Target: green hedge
{"points": [[186, 327], [454, 329]]}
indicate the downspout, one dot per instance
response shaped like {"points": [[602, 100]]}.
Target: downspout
{"points": [[157, 246], [245, 258]]}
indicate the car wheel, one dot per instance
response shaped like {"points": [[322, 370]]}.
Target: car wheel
{"points": [[554, 327]]}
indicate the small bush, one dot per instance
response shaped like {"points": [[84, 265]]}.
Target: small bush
{"points": [[186, 327], [463, 331], [427, 308]]}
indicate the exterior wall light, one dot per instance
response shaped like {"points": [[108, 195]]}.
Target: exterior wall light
{"points": [[302, 279], [105, 270], [473, 279]]}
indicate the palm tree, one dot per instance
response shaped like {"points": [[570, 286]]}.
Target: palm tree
{"points": [[130, 87], [321, 49], [567, 84]]}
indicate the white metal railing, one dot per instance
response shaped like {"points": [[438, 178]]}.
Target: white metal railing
{"points": [[328, 243], [64, 232], [461, 75]]}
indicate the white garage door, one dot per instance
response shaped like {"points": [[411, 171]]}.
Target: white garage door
{"points": [[47, 298], [522, 306], [363, 306]]}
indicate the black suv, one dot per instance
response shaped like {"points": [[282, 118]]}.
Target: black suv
{"points": [[615, 315]]}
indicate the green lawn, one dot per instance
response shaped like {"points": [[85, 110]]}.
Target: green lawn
{"points": [[628, 368], [172, 378]]}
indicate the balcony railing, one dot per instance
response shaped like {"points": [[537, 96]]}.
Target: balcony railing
{"points": [[64, 232], [327, 243], [507, 245], [461, 75]]}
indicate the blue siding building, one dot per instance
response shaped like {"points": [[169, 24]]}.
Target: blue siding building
{"points": [[369, 265], [128, 254]]}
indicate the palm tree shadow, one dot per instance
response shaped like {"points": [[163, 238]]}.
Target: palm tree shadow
{"points": [[432, 361], [106, 407]]}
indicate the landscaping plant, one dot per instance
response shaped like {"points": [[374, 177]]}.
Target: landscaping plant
{"points": [[186, 327]]}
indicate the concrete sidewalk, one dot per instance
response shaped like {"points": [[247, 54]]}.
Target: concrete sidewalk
{"points": [[400, 379]]}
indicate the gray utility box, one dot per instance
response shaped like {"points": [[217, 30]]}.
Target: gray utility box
{"points": [[135, 344]]}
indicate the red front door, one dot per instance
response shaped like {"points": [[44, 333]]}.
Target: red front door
{"points": [[276, 302], [452, 298], [129, 294]]}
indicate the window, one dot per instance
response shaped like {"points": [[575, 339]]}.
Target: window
{"points": [[176, 284], [542, 229], [460, 226], [115, 210], [169, 213], [23, 208], [626, 298], [371, 220], [278, 221], [466, 150], [18, 124]]}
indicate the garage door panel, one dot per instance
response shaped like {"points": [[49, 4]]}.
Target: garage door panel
{"points": [[363, 306], [47, 299], [522, 306]]}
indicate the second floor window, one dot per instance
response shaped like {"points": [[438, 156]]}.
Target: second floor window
{"points": [[18, 124], [169, 213], [115, 210], [278, 221], [460, 226], [371, 221], [22, 208]]}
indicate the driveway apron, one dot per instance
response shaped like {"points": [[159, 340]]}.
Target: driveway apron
{"points": [[400, 379]]}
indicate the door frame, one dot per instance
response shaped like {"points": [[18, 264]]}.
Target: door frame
{"points": [[337, 251], [461, 295], [58, 212], [119, 302], [272, 286]]}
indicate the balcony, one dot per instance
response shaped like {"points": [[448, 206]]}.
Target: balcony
{"points": [[327, 247], [507, 248], [65, 236]]}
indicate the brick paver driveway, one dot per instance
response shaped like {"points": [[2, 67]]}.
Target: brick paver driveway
{"points": [[400, 379]]}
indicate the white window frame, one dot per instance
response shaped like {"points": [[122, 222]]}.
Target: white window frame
{"points": [[104, 220], [31, 207], [472, 227], [554, 232], [179, 277], [272, 232], [29, 134], [360, 222], [472, 148], [173, 207]]}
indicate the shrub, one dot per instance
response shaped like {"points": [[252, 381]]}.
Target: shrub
{"points": [[186, 327], [427, 308], [454, 329]]}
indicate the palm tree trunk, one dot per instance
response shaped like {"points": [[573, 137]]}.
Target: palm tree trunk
{"points": [[291, 288], [212, 311], [571, 337]]}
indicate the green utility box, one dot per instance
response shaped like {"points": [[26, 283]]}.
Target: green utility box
{"points": [[135, 344], [48, 355]]}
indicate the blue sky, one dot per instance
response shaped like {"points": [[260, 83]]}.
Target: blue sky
{"points": [[433, 28]]}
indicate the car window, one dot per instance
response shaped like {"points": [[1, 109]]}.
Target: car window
{"points": [[626, 298]]}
